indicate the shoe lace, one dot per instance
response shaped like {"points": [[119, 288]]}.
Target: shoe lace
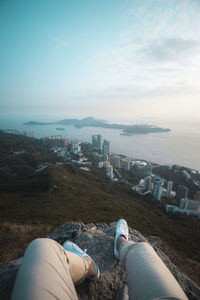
{"points": [[84, 253]]}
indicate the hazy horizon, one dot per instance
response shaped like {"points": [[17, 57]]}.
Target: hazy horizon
{"points": [[179, 146], [38, 117], [107, 59]]}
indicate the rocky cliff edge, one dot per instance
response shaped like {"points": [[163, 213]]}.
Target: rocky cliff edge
{"points": [[98, 240]]}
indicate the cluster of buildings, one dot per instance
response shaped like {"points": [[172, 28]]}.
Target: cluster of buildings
{"points": [[76, 148], [154, 185], [54, 141], [69, 150], [105, 163], [100, 154], [76, 151], [123, 162], [101, 148], [112, 161], [19, 132], [102, 161], [184, 204]]}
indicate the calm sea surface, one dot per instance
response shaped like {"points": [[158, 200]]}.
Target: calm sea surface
{"points": [[180, 146]]}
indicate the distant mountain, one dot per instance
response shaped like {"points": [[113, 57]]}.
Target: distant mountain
{"points": [[91, 122], [32, 123]]}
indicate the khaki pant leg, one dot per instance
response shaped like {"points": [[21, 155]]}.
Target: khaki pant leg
{"points": [[147, 276], [47, 272], [78, 267]]}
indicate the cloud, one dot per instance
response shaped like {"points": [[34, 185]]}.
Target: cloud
{"points": [[171, 49], [137, 92]]}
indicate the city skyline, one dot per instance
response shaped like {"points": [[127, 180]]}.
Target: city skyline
{"points": [[101, 58]]}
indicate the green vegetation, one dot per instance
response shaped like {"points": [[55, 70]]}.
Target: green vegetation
{"points": [[19, 155], [67, 193], [131, 176], [32, 206], [14, 237]]}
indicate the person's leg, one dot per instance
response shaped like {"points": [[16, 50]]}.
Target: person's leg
{"points": [[93, 269], [147, 276], [49, 272]]}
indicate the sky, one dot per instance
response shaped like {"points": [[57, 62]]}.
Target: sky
{"points": [[108, 58]]}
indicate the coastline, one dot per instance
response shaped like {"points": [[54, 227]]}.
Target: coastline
{"points": [[180, 146]]}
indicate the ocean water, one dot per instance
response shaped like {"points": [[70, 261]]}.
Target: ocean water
{"points": [[179, 146]]}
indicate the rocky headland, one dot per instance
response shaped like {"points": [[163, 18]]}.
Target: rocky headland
{"points": [[91, 122], [98, 240]]}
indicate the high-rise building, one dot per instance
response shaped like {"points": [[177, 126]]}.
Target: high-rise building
{"points": [[106, 146], [94, 142], [105, 157], [97, 142], [147, 183], [96, 156], [182, 203], [125, 164], [117, 162], [112, 159], [100, 142], [100, 164], [109, 170], [192, 204], [169, 188], [197, 196], [106, 164], [182, 193], [157, 191]]}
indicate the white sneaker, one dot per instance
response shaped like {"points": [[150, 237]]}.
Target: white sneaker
{"points": [[72, 247], [121, 229]]}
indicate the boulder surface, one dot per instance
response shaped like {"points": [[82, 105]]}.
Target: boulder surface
{"points": [[98, 240]]}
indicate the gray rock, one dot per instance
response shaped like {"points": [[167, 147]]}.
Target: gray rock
{"points": [[98, 240], [7, 278]]}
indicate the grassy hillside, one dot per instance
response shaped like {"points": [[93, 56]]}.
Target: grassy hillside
{"points": [[67, 193], [31, 206], [19, 155]]}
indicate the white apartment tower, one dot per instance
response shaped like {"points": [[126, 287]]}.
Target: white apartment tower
{"points": [[117, 162], [169, 188], [109, 170], [97, 142], [106, 146], [147, 183], [157, 191], [125, 164]]}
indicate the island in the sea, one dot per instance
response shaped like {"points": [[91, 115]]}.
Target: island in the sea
{"points": [[127, 130]]}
